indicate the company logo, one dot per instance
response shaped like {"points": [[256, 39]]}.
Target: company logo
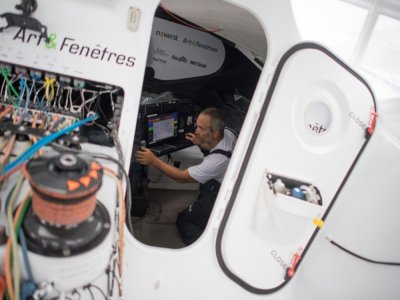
{"points": [[199, 45], [318, 116], [160, 52], [159, 60], [180, 58], [52, 42], [73, 47], [317, 128], [198, 64], [167, 35]]}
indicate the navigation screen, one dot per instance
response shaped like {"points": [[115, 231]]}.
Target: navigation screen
{"points": [[161, 127]]}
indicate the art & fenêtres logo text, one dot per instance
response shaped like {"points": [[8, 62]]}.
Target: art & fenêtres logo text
{"points": [[71, 46]]}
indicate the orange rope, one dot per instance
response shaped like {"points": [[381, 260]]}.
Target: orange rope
{"points": [[43, 124], [7, 267], [5, 176], [34, 138], [35, 117], [8, 150], [54, 122], [6, 111]]}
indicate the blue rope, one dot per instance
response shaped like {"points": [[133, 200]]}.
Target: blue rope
{"points": [[43, 142], [28, 96]]}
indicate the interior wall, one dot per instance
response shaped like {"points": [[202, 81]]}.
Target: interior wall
{"points": [[230, 89]]}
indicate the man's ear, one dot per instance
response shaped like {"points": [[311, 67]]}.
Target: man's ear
{"points": [[216, 134]]}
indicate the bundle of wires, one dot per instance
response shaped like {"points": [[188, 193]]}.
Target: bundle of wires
{"points": [[12, 264], [43, 142], [9, 87]]}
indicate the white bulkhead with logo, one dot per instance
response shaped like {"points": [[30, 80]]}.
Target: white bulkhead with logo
{"points": [[101, 49], [179, 52], [312, 131], [110, 52]]}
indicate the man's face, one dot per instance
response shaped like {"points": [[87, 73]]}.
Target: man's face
{"points": [[203, 129]]}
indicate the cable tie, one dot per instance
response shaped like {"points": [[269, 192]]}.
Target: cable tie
{"points": [[318, 222]]}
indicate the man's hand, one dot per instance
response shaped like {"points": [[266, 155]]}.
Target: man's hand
{"points": [[145, 156], [192, 137]]}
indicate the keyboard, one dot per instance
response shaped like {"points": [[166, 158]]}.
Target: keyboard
{"points": [[171, 146], [162, 149]]}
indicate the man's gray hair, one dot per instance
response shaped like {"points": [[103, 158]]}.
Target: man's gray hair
{"points": [[217, 119]]}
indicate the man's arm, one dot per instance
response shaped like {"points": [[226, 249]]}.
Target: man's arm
{"points": [[146, 157]]}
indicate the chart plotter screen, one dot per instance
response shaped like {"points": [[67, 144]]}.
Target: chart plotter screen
{"points": [[161, 127]]}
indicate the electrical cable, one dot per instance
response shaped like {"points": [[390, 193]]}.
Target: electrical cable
{"points": [[64, 298], [27, 288], [28, 97], [58, 122], [2, 92], [75, 291], [10, 85], [9, 94], [35, 78], [21, 92], [105, 130], [121, 206], [5, 111], [8, 149], [188, 24], [49, 88], [24, 248], [3, 145], [363, 257], [23, 86], [13, 289], [100, 290], [111, 277], [7, 259], [5, 176], [90, 291], [114, 135], [41, 101], [55, 120], [128, 194], [115, 277]]}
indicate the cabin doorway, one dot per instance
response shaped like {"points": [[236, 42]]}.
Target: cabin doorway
{"points": [[196, 60]]}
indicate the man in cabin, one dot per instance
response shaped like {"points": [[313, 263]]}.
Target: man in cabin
{"points": [[217, 143]]}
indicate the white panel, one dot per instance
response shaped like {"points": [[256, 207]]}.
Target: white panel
{"points": [[178, 52], [313, 131]]}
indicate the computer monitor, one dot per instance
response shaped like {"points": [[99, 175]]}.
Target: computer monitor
{"points": [[161, 127]]}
